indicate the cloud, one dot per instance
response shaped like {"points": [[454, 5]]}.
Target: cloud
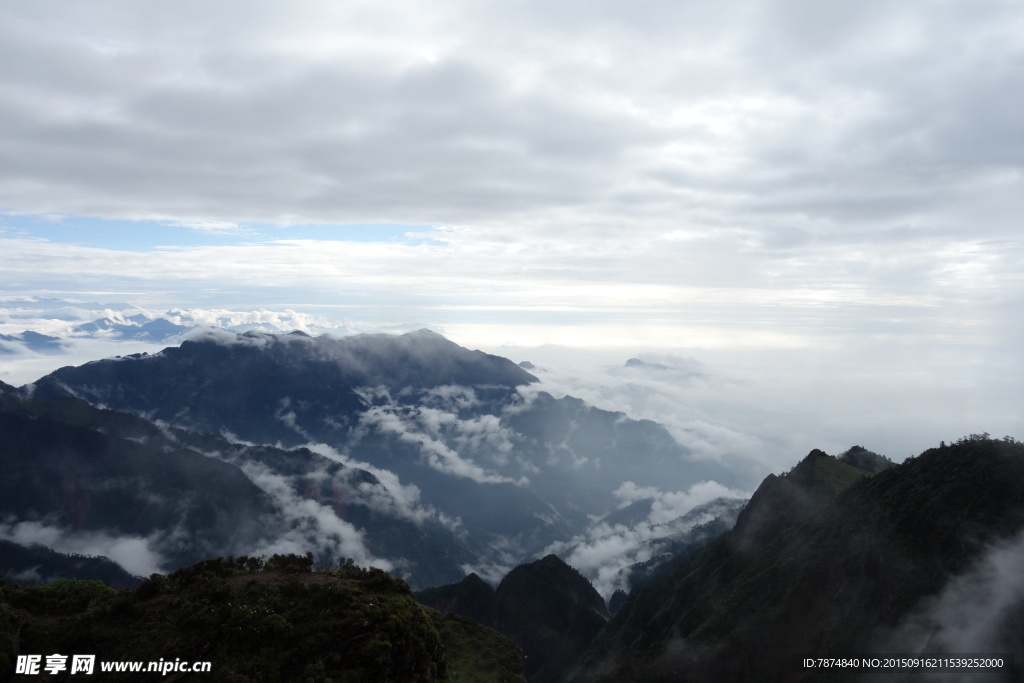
{"points": [[745, 120], [706, 412], [977, 612], [217, 335], [760, 410], [136, 554], [436, 432], [503, 553], [605, 550], [492, 572], [213, 227], [631, 493], [25, 368], [311, 524], [453, 395], [391, 497]]}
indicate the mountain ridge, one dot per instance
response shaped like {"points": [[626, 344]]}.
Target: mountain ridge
{"points": [[831, 576]]}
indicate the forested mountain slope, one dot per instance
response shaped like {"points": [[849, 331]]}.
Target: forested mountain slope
{"points": [[825, 561]]}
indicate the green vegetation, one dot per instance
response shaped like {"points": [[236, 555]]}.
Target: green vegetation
{"points": [[823, 473], [256, 620], [477, 654]]}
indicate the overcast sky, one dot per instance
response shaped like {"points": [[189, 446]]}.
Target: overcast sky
{"points": [[770, 178]]}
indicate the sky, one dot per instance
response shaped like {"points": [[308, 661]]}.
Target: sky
{"points": [[821, 204]]}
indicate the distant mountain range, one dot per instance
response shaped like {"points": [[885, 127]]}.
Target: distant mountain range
{"points": [[136, 327], [33, 341], [128, 326], [405, 450], [53, 326]]}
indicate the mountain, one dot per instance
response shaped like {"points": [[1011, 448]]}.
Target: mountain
{"points": [[133, 328], [549, 609], [109, 483], [546, 607], [55, 472], [828, 560], [120, 328], [277, 387], [33, 341], [273, 620], [472, 597], [866, 460], [460, 435]]}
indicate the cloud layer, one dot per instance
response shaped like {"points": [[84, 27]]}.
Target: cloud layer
{"points": [[778, 113]]}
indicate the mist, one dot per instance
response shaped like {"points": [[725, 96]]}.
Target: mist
{"points": [[137, 554], [975, 613], [760, 411]]}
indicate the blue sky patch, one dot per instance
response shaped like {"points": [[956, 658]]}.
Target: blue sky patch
{"points": [[135, 235]]}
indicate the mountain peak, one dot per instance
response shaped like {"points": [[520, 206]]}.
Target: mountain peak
{"points": [[821, 471], [866, 460], [813, 483], [551, 611], [472, 597], [426, 333]]}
